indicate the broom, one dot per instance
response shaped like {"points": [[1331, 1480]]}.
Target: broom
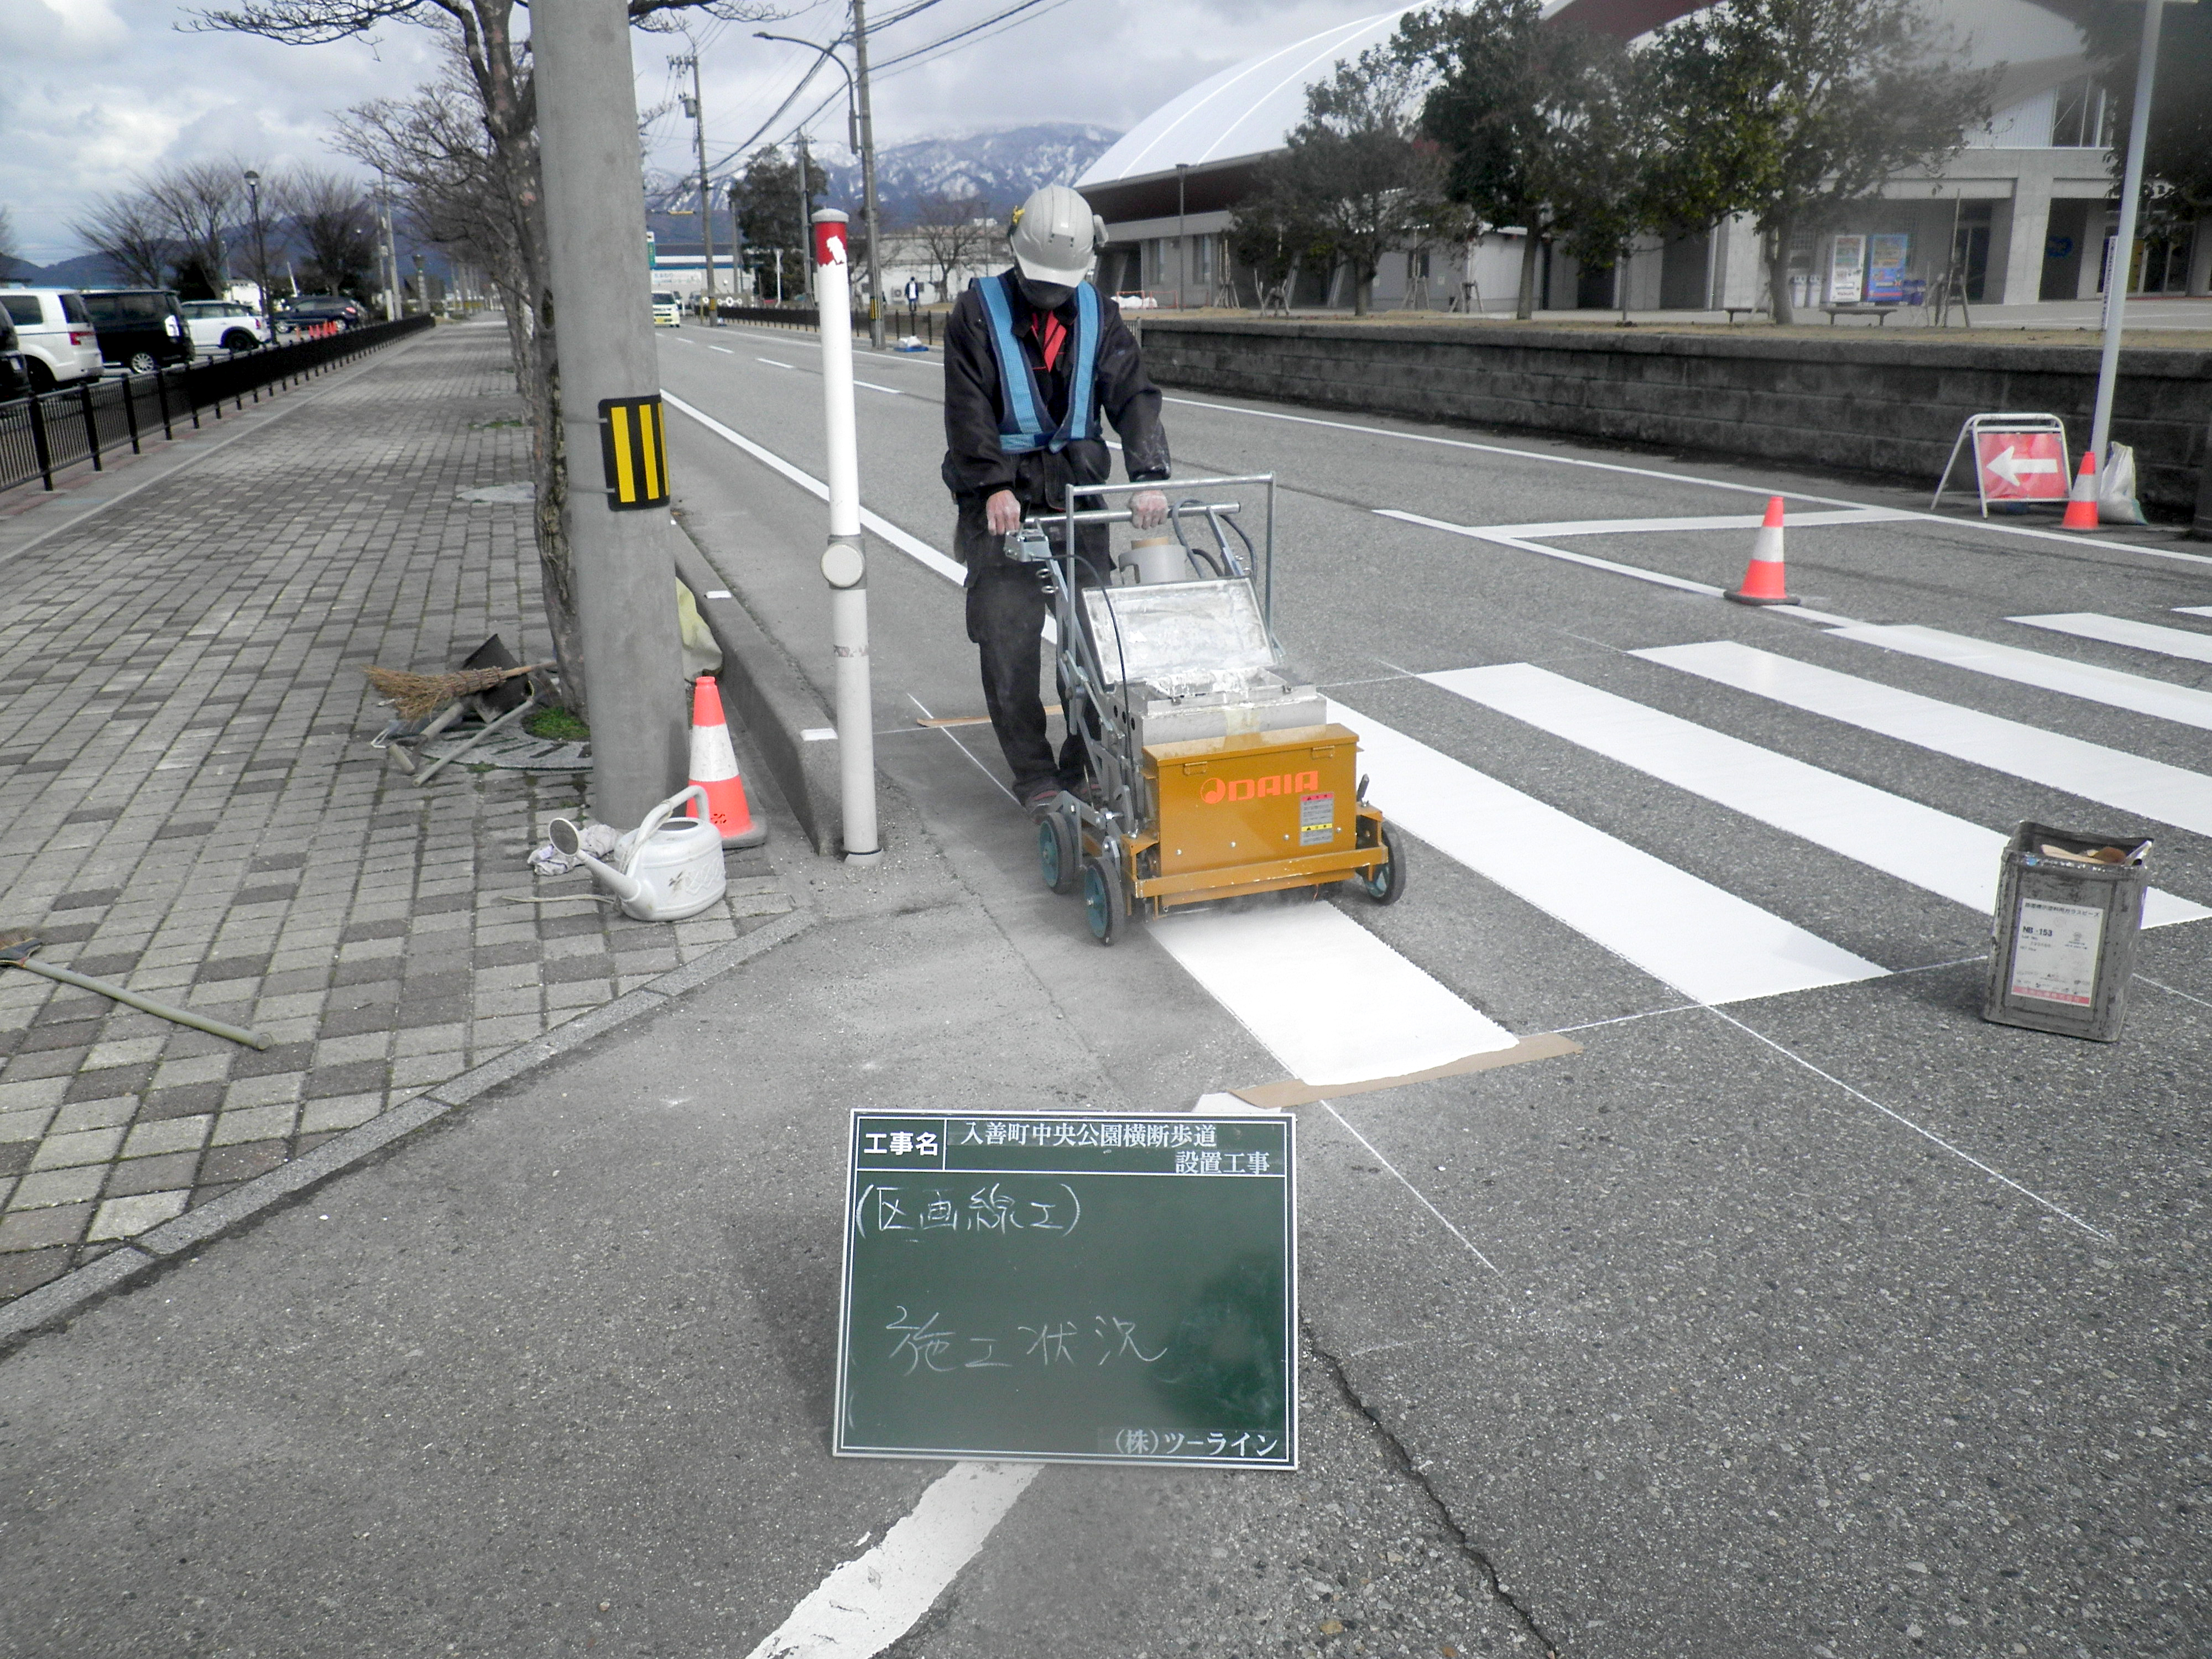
{"points": [[416, 694]]}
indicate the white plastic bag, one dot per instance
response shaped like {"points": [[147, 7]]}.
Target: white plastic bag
{"points": [[2116, 488]]}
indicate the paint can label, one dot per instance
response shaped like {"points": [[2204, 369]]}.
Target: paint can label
{"points": [[2054, 952]]}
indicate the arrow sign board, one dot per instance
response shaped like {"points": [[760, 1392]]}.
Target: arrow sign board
{"points": [[1114, 1289], [2022, 466]]}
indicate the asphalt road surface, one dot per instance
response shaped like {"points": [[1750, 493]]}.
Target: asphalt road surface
{"points": [[1798, 1312], [1829, 1319]]}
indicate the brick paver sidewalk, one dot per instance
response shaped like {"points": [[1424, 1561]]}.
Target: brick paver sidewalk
{"points": [[189, 806]]}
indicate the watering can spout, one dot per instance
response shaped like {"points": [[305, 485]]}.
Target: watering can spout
{"points": [[626, 888]]}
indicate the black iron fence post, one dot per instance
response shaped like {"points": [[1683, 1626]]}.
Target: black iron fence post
{"points": [[40, 446], [161, 396], [130, 411], [91, 424]]}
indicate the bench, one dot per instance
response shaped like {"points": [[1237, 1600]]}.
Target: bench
{"points": [[1880, 313], [1746, 311]]}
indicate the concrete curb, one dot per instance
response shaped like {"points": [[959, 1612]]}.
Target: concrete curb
{"points": [[73, 1293], [764, 689]]}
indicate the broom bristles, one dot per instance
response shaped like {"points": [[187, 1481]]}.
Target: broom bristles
{"points": [[416, 694]]}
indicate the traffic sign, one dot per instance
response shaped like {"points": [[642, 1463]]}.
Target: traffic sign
{"points": [[1080, 1288], [2022, 466]]}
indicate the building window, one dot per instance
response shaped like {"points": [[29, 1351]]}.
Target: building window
{"points": [[2081, 118]]}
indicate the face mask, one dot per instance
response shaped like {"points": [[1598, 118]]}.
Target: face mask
{"points": [[1044, 296]]}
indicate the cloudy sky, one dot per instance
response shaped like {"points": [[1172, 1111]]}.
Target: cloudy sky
{"points": [[98, 90]]}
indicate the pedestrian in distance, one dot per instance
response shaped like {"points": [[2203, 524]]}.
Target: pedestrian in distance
{"points": [[1033, 357]]}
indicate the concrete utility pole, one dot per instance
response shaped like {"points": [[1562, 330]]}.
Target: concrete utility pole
{"points": [[698, 114], [1183, 242], [806, 223], [868, 178], [844, 563], [619, 525], [2123, 246]]}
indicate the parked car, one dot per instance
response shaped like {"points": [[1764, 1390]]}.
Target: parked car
{"points": [[225, 325], [57, 334], [140, 328], [14, 373], [667, 310], [306, 310]]}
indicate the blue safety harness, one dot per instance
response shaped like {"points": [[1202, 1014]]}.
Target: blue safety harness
{"points": [[1021, 428]]}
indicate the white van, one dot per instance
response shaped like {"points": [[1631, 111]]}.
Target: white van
{"points": [[667, 309], [57, 335]]}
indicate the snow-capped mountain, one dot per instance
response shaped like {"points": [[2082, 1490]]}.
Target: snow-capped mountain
{"points": [[1001, 165]]}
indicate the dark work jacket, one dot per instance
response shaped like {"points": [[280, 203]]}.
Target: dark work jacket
{"points": [[976, 466]]}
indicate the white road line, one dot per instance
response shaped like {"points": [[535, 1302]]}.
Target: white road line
{"points": [[1706, 943], [2118, 630], [872, 387], [725, 350], [913, 546], [1727, 521], [2071, 538], [772, 363], [2182, 704], [2150, 788], [1916, 844], [2193, 610], [1506, 538], [1327, 998], [871, 1600]]}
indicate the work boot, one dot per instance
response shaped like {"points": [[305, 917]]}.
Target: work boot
{"points": [[1038, 798]]}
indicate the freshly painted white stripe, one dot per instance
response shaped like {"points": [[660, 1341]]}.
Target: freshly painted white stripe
{"points": [[1734, 521], [913, 546], [1506, 538], [1706, 943], [2072, 539], [2181, 704], [2118, 630], [2150, 788], [1327, 997], [2194, 610], [874, 1598], [1902, 838]]}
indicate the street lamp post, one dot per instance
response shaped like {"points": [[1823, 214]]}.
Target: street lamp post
{"points": [[261, 254], [856, 94], [1183, 242], [2123, 246]]}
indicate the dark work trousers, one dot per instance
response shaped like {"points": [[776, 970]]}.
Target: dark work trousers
{"points": [[1007, 603]]}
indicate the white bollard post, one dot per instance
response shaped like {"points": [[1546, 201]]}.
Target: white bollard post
{"points": [[844, 565]]}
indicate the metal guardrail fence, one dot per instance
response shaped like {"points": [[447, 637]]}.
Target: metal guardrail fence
{"points": [[898, 319], [49, 433]]}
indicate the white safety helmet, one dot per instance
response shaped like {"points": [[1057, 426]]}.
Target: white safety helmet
{"points": [[1056, 237]]}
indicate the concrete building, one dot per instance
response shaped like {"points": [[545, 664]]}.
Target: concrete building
{"points": [[2023, 214]]}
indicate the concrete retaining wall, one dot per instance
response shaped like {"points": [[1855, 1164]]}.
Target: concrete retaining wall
{"points": [[1888, 406]]}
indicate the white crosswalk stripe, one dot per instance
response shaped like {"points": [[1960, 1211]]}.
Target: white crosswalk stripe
{"points": [[2183, 704], [1707, 943], [2119, 630], [2150, 788], [1915, 843]]}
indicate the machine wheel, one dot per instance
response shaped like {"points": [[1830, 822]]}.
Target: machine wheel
{"points": [[1102, 899], [1388, 885], [1060, 857]]}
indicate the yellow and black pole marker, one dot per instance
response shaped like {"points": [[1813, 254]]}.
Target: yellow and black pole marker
{"points": [[634, 446]]}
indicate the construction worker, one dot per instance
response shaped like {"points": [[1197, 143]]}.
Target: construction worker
{"points": [[1032, 357]]}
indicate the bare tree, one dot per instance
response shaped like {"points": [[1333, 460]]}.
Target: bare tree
{"points": [[127, 230], [957, 231], [199, 202], [331, 216], [491, 75], [9, 257]]}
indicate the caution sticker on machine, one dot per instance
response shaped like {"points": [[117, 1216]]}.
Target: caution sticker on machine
{"points": [[2055, 957], [1316, 820]]}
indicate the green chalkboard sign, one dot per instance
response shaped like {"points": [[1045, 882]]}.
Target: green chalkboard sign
{"points": [[1092, 1289]]}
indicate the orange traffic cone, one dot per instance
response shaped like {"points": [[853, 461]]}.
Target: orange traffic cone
{"points": [[1762, 577], [2081, 504], [715, 769]]}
